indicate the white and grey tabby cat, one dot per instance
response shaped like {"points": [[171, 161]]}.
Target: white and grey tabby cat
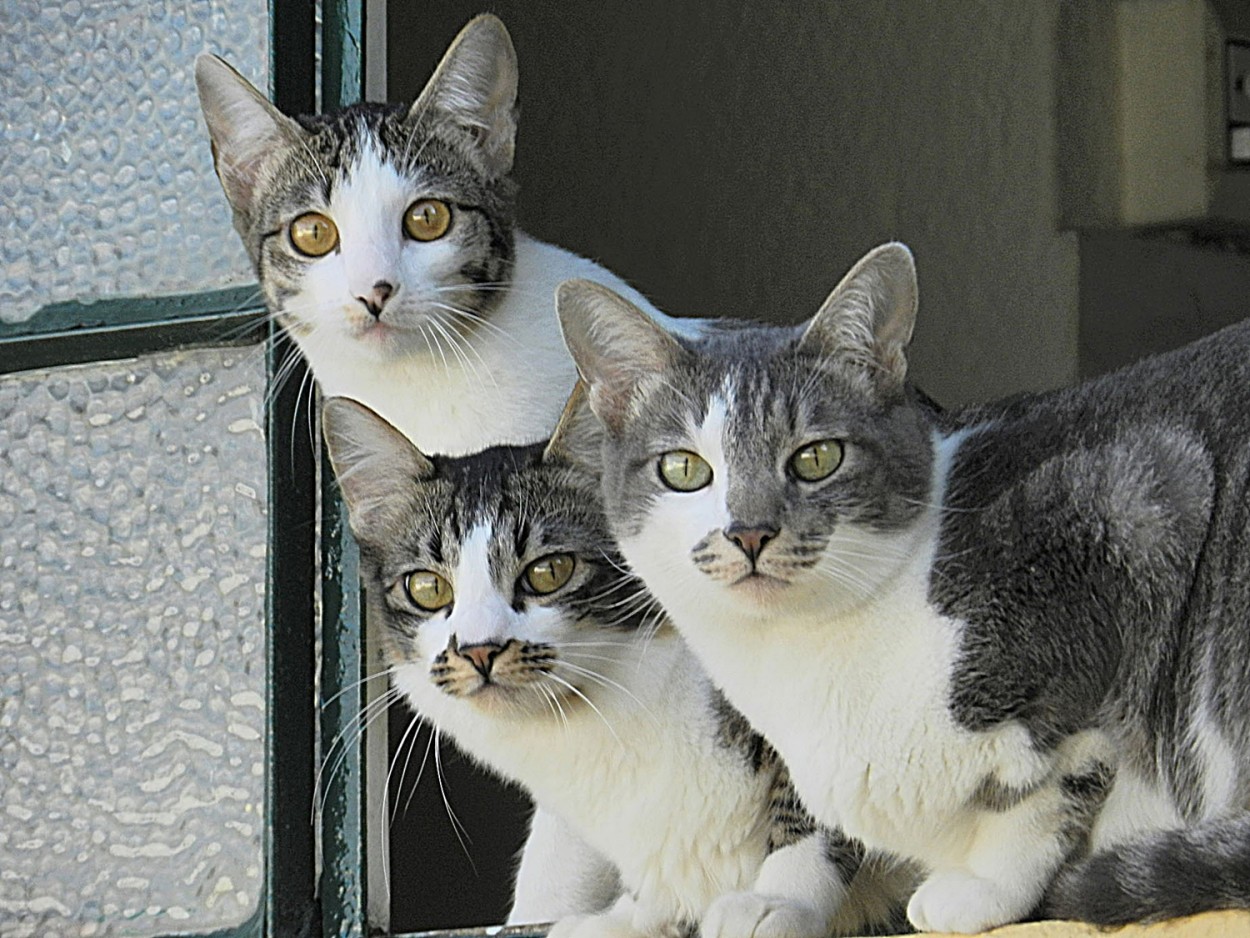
{"points": [[385, 243], [996, 642], [511, 623]]}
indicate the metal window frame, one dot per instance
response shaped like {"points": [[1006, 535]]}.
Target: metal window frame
{"points": [[316, 879]]}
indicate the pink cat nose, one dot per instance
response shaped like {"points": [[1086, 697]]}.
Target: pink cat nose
{"points": [[381, 292], [751, 539], [482, 656]]}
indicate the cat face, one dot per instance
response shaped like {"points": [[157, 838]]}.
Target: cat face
{"points": [[494, 574], [766, 468], [380, 232]]}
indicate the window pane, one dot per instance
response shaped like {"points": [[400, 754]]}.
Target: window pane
{"points": [[133, 538], [106, 182]]}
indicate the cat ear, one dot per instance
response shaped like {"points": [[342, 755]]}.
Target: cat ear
{"points": [[243, 126], [578, 437], [869, 316], [475, 86], [374, 463], [615, 345]]}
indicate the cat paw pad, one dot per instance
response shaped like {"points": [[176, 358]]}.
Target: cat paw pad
{"points": [[753, 915], [961, 902]]}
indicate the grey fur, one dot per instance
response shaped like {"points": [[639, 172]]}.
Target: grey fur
{"points": [[1094, 540], [454, 143]]}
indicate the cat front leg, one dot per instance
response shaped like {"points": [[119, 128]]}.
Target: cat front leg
{"points": [[798, 892], [1016, 851], [560, 875]]}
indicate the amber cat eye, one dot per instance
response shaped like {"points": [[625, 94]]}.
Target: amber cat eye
{"points": [[428, 590], [314, 234], [817, 461], [427, 219], [549, 573], [684, 471]]}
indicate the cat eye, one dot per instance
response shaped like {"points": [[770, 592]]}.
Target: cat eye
{"points": [[314, 234], [427, 219], [817, 461], [549, 573], [428, 590], [684, 471]]}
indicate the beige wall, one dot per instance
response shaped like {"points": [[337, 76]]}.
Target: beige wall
{"points": [[735, 158]]}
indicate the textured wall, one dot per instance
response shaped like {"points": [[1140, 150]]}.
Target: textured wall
{"points": [[735, 158]]}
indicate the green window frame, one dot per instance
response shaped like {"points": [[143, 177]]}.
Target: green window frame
{"points": [[313, 877], [316, 875]]}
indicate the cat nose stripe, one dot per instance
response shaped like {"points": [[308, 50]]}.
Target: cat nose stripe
{"points": [[382, 291], [750, 539]]}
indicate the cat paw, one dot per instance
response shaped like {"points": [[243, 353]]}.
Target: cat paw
{"points": [[754, 915], [955, 901], [593, 926]]}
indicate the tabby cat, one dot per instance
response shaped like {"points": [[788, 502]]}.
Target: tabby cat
{"points": [[385, 242], [512, 625], [1006, 642]]}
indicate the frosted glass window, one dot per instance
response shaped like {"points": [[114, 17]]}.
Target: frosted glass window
{"points": [[133, 537], [106, 181]]}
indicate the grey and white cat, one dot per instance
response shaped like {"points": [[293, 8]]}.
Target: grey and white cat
{"points": [[1006, 643], [385, 243], [512, 625]]}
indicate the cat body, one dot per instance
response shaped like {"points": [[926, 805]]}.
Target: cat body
{"points": [[386, 246], [989, 641], [582, 693]]}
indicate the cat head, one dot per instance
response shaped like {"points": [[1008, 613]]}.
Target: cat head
{"points": [[764, 468], [494, 575], [375, 228]]}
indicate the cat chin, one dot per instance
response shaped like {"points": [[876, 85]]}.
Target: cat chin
{"points": [[525, 704]]}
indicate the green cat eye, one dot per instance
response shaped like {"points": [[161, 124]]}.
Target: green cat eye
{"points": [[428, 590], [549, 573], [684, 471], [427, 219], [314, 234], [817, 461]]}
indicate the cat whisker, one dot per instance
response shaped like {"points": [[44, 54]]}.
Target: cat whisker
{"points": [[425, 758], [587, 700], [409, 733], [557, 708], [429, 335], [385, 672], [849, 577], [462, 833], [605, 682], [458, 344], [650, 630], [476, 320], [454, 345], [344, 743]]}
